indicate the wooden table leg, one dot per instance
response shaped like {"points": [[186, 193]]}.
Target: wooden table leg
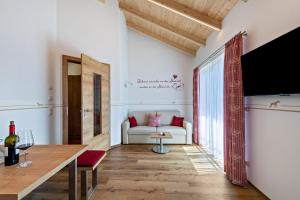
{"points": [[95, 178], [73, 180], [84, 185]]}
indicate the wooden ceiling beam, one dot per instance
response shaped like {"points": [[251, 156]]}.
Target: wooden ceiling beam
{"points": [[174, 30], [162, 39], [189, 13]]}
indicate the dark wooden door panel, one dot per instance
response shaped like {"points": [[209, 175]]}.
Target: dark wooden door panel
{"points": [[74, 109]]}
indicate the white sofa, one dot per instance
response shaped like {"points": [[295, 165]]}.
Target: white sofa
{"points": [[141, 133]]}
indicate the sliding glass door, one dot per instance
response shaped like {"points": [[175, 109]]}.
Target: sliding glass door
{"points": [[211, 107]]}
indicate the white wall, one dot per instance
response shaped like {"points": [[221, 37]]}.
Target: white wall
{"points": [[98, 30], [28, 69], [34, 34], [272, 138], [150, 59]]}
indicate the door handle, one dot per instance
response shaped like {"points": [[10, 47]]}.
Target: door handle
{"points": [[86, 111]]}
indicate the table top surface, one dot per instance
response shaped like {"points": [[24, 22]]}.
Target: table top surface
{"points": [[47, 160], [167, 135]]}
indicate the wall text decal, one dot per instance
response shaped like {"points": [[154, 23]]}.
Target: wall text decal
{"points": [[173, 83]]}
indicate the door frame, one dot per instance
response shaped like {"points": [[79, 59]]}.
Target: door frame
{"points": [[65, 60]]}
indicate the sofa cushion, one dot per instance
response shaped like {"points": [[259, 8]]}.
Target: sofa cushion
{"points": [[153, 120], [172, 129], [142, 130], [177, 121], [167, 116], [141, 117], [132, 121]]}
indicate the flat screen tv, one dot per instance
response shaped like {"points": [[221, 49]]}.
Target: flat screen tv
{"points": [[274, 68]]}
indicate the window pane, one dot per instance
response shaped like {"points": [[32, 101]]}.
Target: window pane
{"points": [[211, 107], [97, 104]]}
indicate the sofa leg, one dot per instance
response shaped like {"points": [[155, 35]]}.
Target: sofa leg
{"points": [[84, 185]]}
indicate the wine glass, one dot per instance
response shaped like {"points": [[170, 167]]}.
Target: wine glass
{"points": [[2, 152], [25, 141]]}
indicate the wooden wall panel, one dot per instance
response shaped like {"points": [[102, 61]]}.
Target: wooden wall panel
{"points": [[161, 34], [215, 10]]}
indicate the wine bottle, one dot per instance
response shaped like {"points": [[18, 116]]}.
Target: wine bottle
{"points": [[12, 156]]}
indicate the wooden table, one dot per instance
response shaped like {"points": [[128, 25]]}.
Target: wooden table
{"points": [[47, 160], [160, 148]]}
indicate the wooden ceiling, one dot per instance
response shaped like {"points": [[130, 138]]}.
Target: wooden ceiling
{"points": [[183, 24]]}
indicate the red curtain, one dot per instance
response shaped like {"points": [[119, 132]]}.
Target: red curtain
{"points": [[234, 114], [196, 85]]}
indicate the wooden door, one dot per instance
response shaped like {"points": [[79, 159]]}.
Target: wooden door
{"points": [[90, 68]]}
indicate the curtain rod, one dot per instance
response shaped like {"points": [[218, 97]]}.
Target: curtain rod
{"points": [[245, 33], [216, 52]]}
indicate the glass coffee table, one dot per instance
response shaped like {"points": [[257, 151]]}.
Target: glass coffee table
{"points": [[160, 148]]}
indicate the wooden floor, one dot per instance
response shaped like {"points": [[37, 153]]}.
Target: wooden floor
{"points": [[133, 172]]}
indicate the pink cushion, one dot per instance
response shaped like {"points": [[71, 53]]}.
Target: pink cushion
{"points": [[177, 121], [153, 120], [89, 158]]}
